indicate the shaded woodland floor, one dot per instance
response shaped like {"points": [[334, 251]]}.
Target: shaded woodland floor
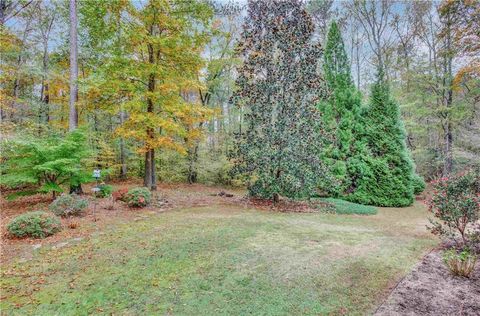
{"points": [[196, 252]]}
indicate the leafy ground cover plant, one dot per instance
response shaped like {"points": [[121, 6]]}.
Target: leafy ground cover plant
{"points": [[460, 263], [345, 207], [36, 224], [68, 205], [455, 204], [138, 197]]}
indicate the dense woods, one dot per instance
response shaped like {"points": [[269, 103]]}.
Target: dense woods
{"points": [[288, 98]]}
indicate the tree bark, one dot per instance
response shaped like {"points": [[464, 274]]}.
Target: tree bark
{"points": [[123, 164], [147, 181], [150, 180], [73, 114], [448, 96]]}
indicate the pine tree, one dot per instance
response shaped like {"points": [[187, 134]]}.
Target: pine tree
{"points": [[386, 174], [341, 116], [278, 87]]}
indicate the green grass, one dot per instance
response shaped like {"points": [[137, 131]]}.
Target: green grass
{"points": [[345, 207], [223, 260]]}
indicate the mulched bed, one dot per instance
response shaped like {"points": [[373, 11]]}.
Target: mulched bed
{"points": [[168, 196], [430, 289]]}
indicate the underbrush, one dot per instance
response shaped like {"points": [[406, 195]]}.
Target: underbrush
{"points": [[345, 207]]}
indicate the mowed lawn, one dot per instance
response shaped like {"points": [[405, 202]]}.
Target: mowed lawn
{"points": [[223, 260]]}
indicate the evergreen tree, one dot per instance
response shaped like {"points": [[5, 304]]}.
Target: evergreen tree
{"points": [[279, 86], [341, 116], [386, 174]]}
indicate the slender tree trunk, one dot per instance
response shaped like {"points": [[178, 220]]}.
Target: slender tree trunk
{"points": [[73, 115], [147, 181], [153, 186], [150, 182], [123, 167], [448, 96]]}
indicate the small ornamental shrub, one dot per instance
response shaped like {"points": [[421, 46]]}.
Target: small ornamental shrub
{"points": [[105, 190], [138, 197], [418, 184], [120, 195], [34, 224], [460, 264], [68, 205], [46, 164], [455, 203]]}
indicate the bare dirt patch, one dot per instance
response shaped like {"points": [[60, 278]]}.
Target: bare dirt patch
{"points": [[430, 289]]}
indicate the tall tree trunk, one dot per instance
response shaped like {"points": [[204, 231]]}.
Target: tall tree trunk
{"points": [[73, 115], [147, 180], [150, 180], [448, 96], [153, 186], [123, 164]]}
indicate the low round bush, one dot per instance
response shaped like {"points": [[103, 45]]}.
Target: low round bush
{"points": [[105, 190], [418, 184], [68, 205], [138, 197], [34, 224]]}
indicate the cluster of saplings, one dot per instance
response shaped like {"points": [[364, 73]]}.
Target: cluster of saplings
{"points": [[41, 224], [308, 132]]}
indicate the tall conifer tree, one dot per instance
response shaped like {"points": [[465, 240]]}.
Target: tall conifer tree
{"points": [[341, 116], [279, 86], [387, 175]]}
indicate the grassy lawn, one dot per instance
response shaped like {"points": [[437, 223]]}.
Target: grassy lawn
{"points": [[223, 260]]}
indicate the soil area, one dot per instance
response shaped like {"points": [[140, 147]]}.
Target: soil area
{"points": [[430, 289]]}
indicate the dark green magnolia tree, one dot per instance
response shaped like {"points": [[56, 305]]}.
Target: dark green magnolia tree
{"points": [[341, 116], [44, 165], [278, 86], [386, 174]]}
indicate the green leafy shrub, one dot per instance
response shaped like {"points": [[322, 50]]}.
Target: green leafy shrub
{"points": [[45, 163], [345, 207], [34, 224], [105, 190], [68, 205], [138, 197], [460, 263], [455, 204], [418, 184]]}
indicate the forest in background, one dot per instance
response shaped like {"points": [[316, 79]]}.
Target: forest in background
{"points": [[155, 80]]}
